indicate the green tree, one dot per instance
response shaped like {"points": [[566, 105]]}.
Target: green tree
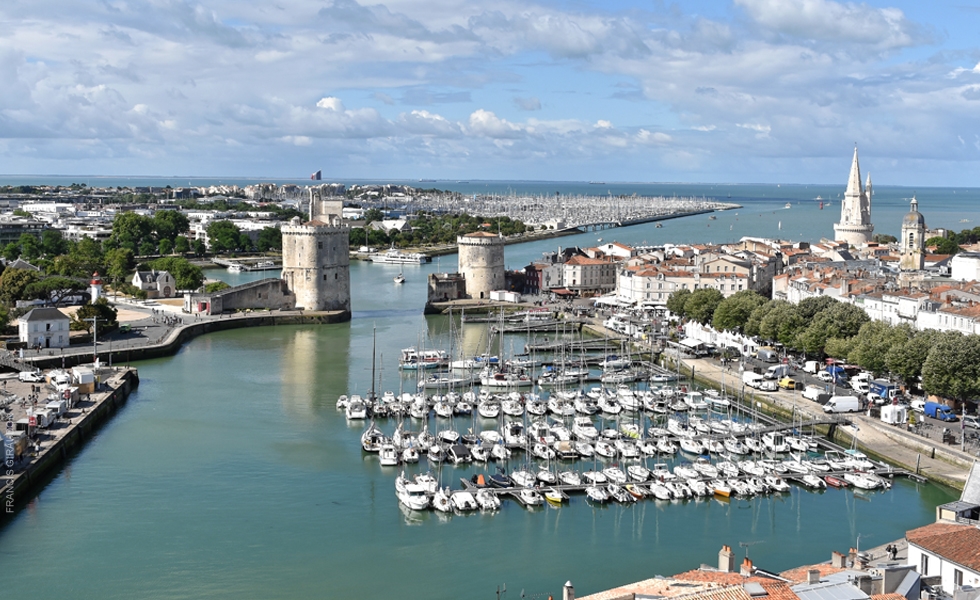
{"points": [[199, 248], [906, 360], [943, 245], [838, 320], [676, 302], [809, 307], [187, 276], [14, 283], [702, 303], [55, 289], [130, 229], [30, 249], [147, 248], [181, 245], [119, 265], [839, 347], [11, 251], [952, 369], [168, 224], [734, 312], [373, 214], [223, 236], [781, 323], [165, 247], [270, 238], [873, 343], [215, 286], [884, 238], [52, 243], [86, 257], [106, 314], [244, 241]]}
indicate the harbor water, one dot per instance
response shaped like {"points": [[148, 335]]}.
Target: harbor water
{"points": [[230, 473]]}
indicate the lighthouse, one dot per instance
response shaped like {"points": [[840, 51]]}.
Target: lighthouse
{"points": [[95, 287]]}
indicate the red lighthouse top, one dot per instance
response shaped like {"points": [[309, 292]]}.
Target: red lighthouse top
{"points": [[95, 279]]}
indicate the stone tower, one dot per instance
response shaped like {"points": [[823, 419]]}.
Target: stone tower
{"points": [[913, 240], [855, 226], [481, 261], [316, 258]]}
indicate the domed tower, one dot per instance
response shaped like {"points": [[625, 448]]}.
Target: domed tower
{"points": [[316, 256], [913, 240], [481, 261], [855, 226]]}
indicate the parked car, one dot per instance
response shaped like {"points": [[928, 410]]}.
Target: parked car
{"points": [[31, 376], [787, 383], [971, 421], [825, 376]]}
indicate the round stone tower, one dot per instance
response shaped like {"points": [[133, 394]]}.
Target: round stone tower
{"points": [[316, 257], [481, 261]]}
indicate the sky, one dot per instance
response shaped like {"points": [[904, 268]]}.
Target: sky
{"points": [[740, 91]]}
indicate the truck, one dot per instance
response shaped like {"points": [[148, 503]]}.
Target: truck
{"points": [[777, 372], [752, 379], [813, 392], [840, 404], [837, 374], [811, 366], [767, 355], [939, 411], [883, 388]]}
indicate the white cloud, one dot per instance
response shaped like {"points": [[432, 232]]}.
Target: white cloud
{"points": [[330, 103], [485, 123]]}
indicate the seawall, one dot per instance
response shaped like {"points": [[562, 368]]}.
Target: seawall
{"points": [[69, 433]]}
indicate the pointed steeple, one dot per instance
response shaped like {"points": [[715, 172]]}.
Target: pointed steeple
{"points": [[854, 180]]}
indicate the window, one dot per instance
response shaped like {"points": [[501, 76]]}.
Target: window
{"points": [[957, 578], [319, 245], [924, 566], [911, 240]]}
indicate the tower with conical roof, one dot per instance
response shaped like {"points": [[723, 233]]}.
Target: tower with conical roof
{"points": [[913, 240], [855, 226]]}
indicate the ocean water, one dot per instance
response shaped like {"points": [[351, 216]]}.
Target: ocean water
{"points": [[231, 474]]}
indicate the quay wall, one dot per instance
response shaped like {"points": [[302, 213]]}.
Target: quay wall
{"points": [[183, 333], [73, 430]]}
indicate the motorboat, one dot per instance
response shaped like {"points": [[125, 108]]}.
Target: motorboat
{"points": [[356, 408], [619, 494], [584, 449], [554, 497], [546, 477], [609, 405], [388, 455], [660, 491], [523, 478], [686, 471], [399, 278], [774, 442], [691, 445], [480, 454], [638, 473], [605, 449], [410, 455], [397, 257], [584, 429], [836, 482], [861, 480], [463, 501], [413, 496], [413, 359], [637, 491], [677, 489], [569, 478], [500, 480], [813, 482], [440, 501], [705, 468], [647, 448], [487, 500], [615, 475], [530, 497], [499, 452], [436, 453], [734, 446], [596, 494], [594, 477]]}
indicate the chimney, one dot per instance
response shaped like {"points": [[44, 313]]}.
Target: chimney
{"points": [[568, 592], [746, 570], [813, 576], [837, 560], [852, 557], [726, 560]]}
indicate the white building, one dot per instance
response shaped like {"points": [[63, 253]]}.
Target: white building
{"points": [[44, 327], [156, 284], [855, 226], [966, 266]]}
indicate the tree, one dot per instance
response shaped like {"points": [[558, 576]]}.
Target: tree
{"points": [[11, 251], [781, 324], [838, 320], [244, 241], [52, 243], [373, 214], [907, 359], [130, 229], [943, 245], [86, 257], [874, 341], [14, 283], [119, 265], [168, 224], [676, 302], [884, 238], [952, 369], [30, 249], [55, 289], [734, 312], [199, 248], [223, 236], [270, 238], [186, 275], [147, 248], [181, 245], [755, 319], [100, 309], [809, 307], [165, 246], [215, 286], [702, 303]]}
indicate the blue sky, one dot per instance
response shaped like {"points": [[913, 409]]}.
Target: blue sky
{"points": [[702, 91]]}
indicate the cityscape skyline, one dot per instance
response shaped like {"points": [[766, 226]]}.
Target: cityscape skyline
{"points": [[710, 91]]}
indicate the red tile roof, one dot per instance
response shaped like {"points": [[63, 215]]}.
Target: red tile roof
{"points": [[954, 542]]}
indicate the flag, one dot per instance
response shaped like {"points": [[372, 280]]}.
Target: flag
{"points": [[317, 176]]}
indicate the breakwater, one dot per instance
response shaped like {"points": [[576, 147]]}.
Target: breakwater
{"points": [[181, 334], [63, 438]]}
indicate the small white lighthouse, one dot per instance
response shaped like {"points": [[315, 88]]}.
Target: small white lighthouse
{"points": [[95, 287]]}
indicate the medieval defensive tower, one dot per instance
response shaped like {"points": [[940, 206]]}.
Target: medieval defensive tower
{"points": [[316, 258], [481, 261], [855, 226]]}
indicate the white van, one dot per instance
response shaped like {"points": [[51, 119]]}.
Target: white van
{"points": [[777, 372], [840, 404], [812, 392], [752, 379], [812, 366]]}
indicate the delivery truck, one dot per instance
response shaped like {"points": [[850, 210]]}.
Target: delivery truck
{"points": [[841, 404], [939, 411]]}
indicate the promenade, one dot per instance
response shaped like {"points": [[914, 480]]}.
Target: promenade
{"points": [[929, 457]]}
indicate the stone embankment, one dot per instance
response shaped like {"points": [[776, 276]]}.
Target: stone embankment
{"points": [[55, 444]]}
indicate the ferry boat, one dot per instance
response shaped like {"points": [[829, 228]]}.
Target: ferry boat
{"points": [[397, 257]]}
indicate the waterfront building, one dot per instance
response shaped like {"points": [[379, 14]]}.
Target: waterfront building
{"points": [[481, 263], [156, 284], [589, 276], [912, 242], [44, 327], [316, 256], [855, 226]]}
